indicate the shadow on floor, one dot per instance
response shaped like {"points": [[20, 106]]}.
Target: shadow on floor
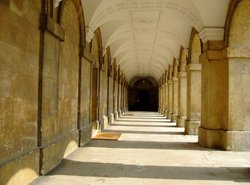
{"points": [[144, 132], [134, 125], [145, 120], [147, 145], [116, 170]]}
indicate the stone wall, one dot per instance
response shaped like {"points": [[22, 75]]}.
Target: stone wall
{"points": [[42, 74], [19, 70]]}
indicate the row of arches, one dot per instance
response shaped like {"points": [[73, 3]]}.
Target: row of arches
{"points": [[73, 88], [206, 91]]}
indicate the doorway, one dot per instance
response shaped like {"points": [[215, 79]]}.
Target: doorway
{"points": [[143, 95]]}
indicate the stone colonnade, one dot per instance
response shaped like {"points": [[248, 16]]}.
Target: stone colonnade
{"points": [[211, 84]]}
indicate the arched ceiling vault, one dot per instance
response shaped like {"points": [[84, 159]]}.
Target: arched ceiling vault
{"points": [[145, 35]]}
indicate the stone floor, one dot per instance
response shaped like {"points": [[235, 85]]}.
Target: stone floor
{"points": [[150, 151]]}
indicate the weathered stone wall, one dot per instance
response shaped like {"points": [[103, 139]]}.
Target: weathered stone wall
{"points": [[59, 131], [19, 69], [39, 79]]}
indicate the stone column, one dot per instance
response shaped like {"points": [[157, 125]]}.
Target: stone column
{"points": [[161, 95], [225, 90], [193, 98], [170, 91], [175, 92], [214, 96], [182, 90], [165, 104], [166, 101], [116, 93], [111, 105], [182, 97]]}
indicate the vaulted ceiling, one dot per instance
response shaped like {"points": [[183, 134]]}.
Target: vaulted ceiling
{"points": [[145, 35]]}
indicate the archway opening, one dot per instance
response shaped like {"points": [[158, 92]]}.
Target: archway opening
{"points": [[143, 95]]}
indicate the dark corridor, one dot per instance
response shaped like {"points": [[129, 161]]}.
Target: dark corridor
{"points": [[143, 95]]}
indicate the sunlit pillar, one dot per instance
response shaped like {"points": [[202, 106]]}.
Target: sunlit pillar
{"points": [[182, 90], [175, 91], [170, 91]]}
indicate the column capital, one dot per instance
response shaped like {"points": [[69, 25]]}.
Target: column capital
{"points": [[194, 67], [175, 79], [170, 82], [182, 74], [240, 52]]}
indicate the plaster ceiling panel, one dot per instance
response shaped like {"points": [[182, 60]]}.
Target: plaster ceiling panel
{"points": [[144, 37], [144, 49], [145, 19], [144, 57], [128, 56]]}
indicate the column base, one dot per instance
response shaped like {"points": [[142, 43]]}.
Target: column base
{"points": [[191, 127], [226, 140], [162, 111], [103, 123], [165, 113], [119, 113], [111, 118], [169, 115], [174, 118], [181, 121], [116, 115]]}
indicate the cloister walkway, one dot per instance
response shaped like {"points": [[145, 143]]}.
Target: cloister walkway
{"points": [[150, 151]]}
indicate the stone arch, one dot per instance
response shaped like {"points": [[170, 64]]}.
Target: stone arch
{"points": [[69, 67], [96, 47], [239, 34], [80, 15], [232, 7], [195, 47]]}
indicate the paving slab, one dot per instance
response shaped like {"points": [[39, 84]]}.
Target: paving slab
{"points": [[150, 151]]}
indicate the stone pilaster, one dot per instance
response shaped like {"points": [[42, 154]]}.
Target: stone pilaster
{"points": [[193, 98], [175, 85], [160, 96], [163, 98], [170, 92], [175, 99], [166, 100], [182, 99], [170, 99]]}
